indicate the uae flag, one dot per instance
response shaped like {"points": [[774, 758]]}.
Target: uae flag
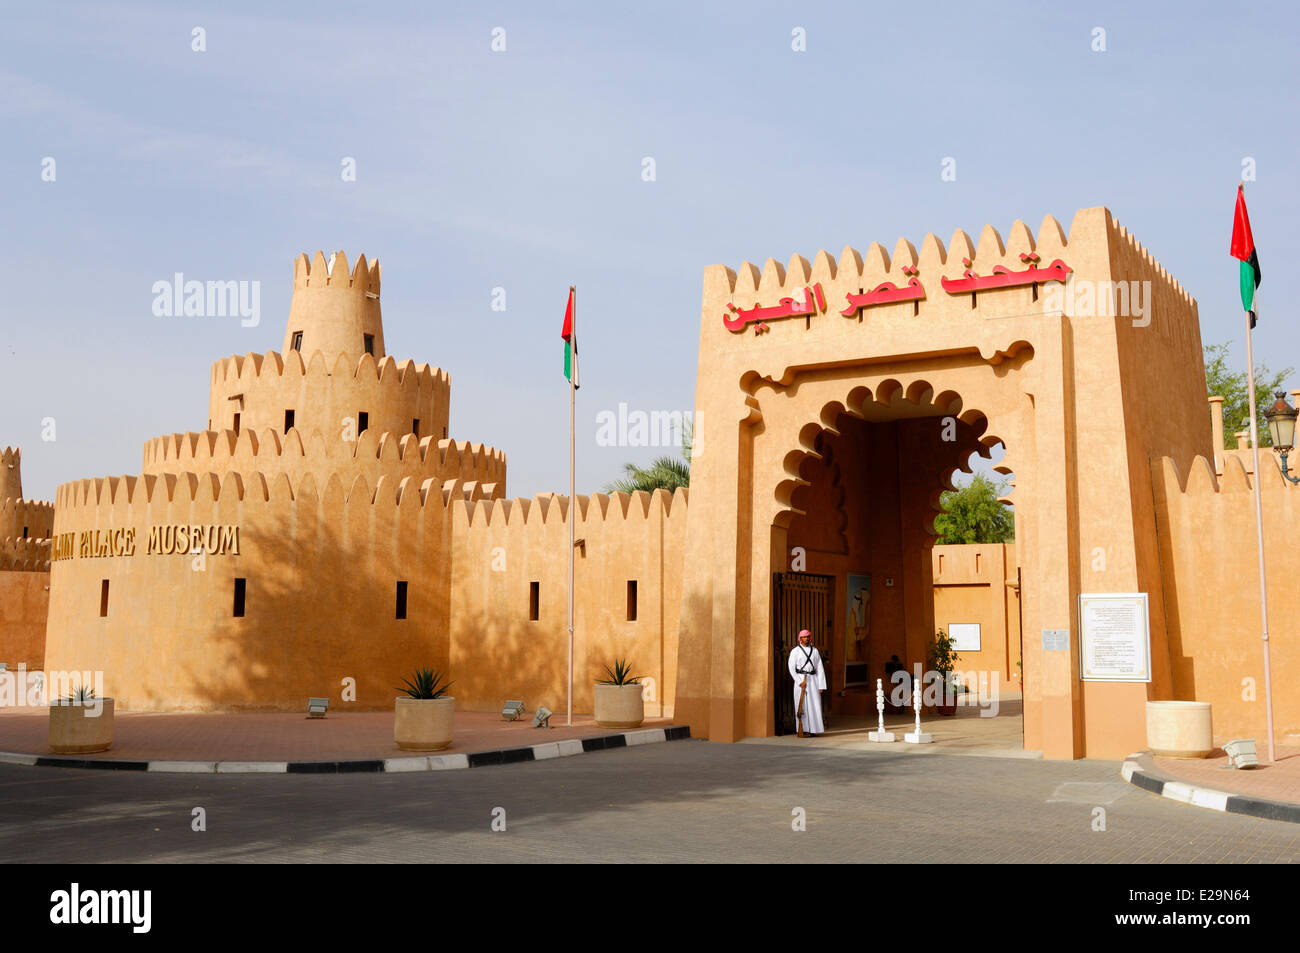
{"points": [[1243, 248], [570, 343]]}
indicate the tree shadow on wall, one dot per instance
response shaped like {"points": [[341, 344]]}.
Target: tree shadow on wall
{"points": [[320, 616]]}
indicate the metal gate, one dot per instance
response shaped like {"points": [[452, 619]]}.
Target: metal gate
{"points": [[800, 600]]}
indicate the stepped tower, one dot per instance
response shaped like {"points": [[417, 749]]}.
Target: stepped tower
{"points": [[318, 497], [333, 401]]}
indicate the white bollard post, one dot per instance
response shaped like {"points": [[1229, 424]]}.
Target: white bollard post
{"points": [[881, 734], [917, 737]]}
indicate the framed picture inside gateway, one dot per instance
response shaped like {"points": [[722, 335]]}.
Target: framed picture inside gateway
{"points": [[857, 629]]}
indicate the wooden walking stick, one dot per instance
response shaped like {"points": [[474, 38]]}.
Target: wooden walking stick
{"points": [[798, 717]]}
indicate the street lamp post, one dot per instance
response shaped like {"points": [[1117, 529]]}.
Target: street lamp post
{"points": [[1281, 419]]}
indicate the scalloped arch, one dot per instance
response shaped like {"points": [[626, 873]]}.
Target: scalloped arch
{"points": [[917, 393]]}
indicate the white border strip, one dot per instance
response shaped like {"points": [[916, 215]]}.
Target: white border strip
{"points": [[438, 762]]}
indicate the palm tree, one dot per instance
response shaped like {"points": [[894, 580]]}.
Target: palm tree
{"points": [[666, 472]]}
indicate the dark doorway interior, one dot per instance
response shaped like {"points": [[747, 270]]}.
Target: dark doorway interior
{"points": [[800, 600]]}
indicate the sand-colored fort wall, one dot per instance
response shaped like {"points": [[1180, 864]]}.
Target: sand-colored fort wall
{"points": [[26, 519], [499, 548], [1211, 591], [327, 392], [321, 563], [977, 583], [25, 527], [372, 455], [24, 608], [23, 554]]}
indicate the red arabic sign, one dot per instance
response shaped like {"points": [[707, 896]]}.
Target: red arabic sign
{"points": [[889, 293], [1002, 278], [886, 293], [813, 303]]}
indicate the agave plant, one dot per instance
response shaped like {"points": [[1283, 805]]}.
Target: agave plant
{"points": [[620, 674], [79, 696], [426, 684]]}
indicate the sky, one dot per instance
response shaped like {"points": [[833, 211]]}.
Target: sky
{"points": [[524, 169]]}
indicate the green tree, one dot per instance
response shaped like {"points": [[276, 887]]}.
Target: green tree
{"points": [[973, 514], [663, 473], [1222, 381], [666, 473]]}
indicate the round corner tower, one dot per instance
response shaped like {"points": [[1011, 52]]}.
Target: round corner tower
{"points": [[335, 311]]}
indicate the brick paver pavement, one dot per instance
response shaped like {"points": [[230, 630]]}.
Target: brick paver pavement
{"points": [[1279, 781], [249, 736], [974, 729], [685, 801]]}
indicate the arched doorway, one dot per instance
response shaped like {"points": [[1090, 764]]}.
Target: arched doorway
{"points": [[856, 536]]}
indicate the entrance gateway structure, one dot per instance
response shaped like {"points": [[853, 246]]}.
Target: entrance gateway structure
{"points": [[324, 536], [836, 400]]}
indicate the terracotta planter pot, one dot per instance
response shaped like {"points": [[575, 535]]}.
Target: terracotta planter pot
{"points": [[1180, 729], [619, 706], [423, 724], [75, 729]]}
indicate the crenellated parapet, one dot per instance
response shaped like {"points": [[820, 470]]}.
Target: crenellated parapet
{"points": [[319, 274], [335, 310], [32, 519], [132, 492], [1198, 482], [933, 261], [1134, 254], [329, 394], [1157, 305], [22, 554], [296, 453], [546, 509], [935, 280], [243, 369]]}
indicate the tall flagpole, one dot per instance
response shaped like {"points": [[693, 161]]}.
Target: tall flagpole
{"points": [[573, 392], [1259, 521]]}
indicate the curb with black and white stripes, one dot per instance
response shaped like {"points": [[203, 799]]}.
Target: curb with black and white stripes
{"points": [[434, 762], [1141, 775]]}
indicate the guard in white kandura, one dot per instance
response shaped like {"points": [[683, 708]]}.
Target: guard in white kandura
{"points": [[809, 682]]}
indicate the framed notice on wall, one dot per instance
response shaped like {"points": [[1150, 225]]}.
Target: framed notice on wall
{"points": [[1114, 637], [965, 636]]}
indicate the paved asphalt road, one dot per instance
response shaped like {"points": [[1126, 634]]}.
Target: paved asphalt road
{"points": [[682, 801]]}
